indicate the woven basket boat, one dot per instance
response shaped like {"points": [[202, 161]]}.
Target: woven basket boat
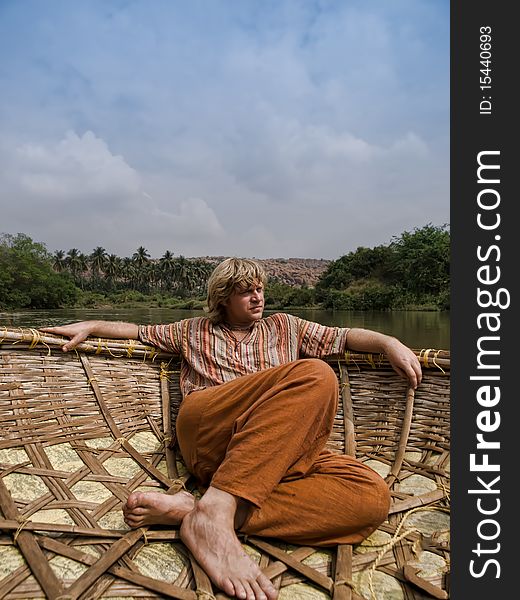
{"points": [[80, 431]]}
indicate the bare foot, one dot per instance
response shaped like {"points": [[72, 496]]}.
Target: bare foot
{"points": [[154, 508], [208, 532]]}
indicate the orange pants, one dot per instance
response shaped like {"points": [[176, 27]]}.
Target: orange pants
{"points": [[261, 437]]}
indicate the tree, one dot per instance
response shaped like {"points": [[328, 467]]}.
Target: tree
{"points": [[166, 267], [97, 261], [27, 277], [413, 269], [364, 263], [421, 260], [113, 268], [141, 258], [59, 262], [73, 261], [128, 271], [201, 271], [183, 276]]}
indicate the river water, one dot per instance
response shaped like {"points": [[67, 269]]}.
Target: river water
{"points": [[417, 329]]}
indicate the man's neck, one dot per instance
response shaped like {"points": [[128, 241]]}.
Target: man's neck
{"points": [[239, 326]]}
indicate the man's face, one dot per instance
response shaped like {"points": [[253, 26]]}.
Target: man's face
{"points": [[245, 306]]}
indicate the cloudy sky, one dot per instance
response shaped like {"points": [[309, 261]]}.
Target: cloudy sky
{"points": [[257, 128]]}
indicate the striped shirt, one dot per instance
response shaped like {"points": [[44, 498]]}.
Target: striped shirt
{"points": [[211, 354]]}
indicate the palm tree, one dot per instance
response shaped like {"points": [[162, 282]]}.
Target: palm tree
{"points": [[113, 268], [184, 276], [201, 272], [59, 262], [77, 264], [83, 263], [140, 259], [128, 271], [97, 261], [166, 266], [152, 274], [73, 261], [140, 256]]}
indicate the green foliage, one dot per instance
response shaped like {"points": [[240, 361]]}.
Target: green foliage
{"points": [[128, 297], [90, 299], [27, 278], [442, 301], [413, 270], [421, 260], [281, 295], [370, 295], [361, 264]]}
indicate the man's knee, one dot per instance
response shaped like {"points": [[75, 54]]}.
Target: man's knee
{"points": [[321, 384], [320, 371], [367, 497], [376, 501]]}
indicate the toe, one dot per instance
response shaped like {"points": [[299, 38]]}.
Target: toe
{"points": [[138, 511], [133, 522], [132, 501], [267, 587], [240, 590], [227, 586], [258, 592], [248, 588]]}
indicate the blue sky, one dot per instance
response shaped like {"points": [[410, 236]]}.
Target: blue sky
{"points": [[223, 127]]}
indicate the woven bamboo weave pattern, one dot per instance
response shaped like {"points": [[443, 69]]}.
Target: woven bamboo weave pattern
{"points": [[80, 431]]}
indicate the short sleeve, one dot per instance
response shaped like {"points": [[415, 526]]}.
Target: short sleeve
{"points": [[166, 337], [320, 341]]}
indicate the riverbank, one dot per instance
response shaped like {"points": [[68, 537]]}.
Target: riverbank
{"points": [[133, 299]]}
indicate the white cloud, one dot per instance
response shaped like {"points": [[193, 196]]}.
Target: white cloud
{"points": [[77, 167], [77, 193], [193, 218], [298, 163]]}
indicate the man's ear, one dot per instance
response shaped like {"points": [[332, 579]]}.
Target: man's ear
{"points": [[226, 301]]}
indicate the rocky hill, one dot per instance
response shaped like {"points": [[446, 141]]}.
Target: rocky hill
{"points": [[292, 271], [295, 271]]}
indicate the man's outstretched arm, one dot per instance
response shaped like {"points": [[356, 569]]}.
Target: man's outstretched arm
{"points": [[402, 359], [79, 332]]}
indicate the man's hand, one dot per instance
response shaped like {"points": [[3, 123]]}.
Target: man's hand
{"points": [[77, 332], [403, 361]]}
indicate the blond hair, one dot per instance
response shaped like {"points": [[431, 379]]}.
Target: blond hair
{"points": [[230, 275]]}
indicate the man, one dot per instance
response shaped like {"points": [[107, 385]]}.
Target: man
{"points": [[258, 408]]}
